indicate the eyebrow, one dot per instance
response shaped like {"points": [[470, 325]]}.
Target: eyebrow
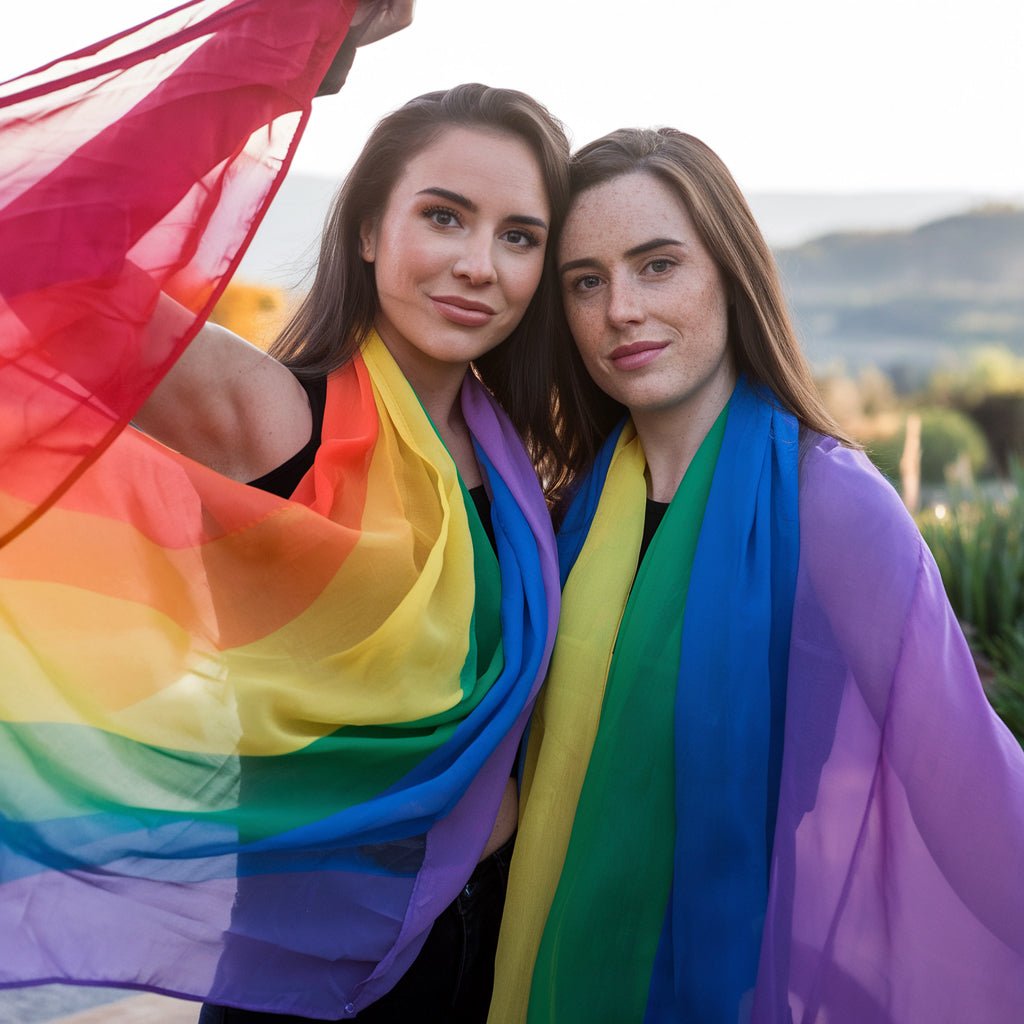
{"points": [[467, 204], [637, 250]]}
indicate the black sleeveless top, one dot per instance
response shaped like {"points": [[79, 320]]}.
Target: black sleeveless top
{"points": [[652, 520]]}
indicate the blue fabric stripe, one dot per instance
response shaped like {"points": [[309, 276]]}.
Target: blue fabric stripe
{"points": [[730, 708], [408, 809]]}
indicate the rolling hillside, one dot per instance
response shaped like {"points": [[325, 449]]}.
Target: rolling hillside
{"points": [[911, 296]]}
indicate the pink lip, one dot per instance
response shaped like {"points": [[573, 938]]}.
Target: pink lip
{"points": [[464, 312], [636, 354]]}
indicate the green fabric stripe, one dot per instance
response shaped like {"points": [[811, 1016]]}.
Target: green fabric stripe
{"points": [[485, 659], [281, 792], [599, 942]]}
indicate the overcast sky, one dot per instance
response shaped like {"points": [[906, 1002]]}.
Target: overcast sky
{"points": [[795, 95]]}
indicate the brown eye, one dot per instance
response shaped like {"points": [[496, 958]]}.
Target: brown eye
{"points": [[521, 239], [442, 216]]}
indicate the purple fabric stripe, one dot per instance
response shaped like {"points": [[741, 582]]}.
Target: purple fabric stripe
{"points": [[897, 891], [504, 447], [454, 844]]}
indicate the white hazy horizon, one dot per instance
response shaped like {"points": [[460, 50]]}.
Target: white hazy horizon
{"points": [[796, 96]]}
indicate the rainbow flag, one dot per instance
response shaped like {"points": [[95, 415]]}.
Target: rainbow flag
{"points": [[763, 783], [251, 747]]}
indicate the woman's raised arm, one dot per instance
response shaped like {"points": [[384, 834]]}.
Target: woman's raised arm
{"points": [[226, 404]]}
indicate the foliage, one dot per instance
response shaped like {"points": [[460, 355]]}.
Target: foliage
{"points": [[989, 370], [1001, 416], [946, 436], [254, 312], [979, 547], [1007, 689]]}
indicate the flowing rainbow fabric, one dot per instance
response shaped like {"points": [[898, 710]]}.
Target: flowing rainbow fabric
{"points": [[763, 782], [250, 747]]}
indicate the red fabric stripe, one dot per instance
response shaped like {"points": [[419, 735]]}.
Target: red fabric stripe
{"points": [[158, 197]]}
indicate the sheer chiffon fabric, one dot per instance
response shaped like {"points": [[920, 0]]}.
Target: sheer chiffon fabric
{"points": [[897, 888], [252, 747], [132, 173]]}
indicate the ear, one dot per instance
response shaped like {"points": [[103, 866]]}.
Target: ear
{"points": [[368, 240]]}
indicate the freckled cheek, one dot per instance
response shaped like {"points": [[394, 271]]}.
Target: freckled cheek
{"points": [[583, 325]]}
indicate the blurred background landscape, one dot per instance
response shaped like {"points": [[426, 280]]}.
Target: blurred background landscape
{"points": [[911, 310], [874, 146]]}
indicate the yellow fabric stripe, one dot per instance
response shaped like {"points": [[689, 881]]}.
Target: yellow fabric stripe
{"points": [[381, 638], [565, 722]]}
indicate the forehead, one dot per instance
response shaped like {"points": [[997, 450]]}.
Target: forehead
{"points": [[479, 164], [614, 216]]}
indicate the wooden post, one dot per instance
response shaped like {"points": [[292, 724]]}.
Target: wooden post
{"points": [[910, 464]]}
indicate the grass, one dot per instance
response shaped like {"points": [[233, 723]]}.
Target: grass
{"points": [[978, 543]]}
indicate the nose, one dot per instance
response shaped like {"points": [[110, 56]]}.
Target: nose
{"points": [[625, 304], [476, 262]]}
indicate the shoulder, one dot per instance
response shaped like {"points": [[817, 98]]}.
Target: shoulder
{"points": [[842, 492], [857, 540], [229, 405]]}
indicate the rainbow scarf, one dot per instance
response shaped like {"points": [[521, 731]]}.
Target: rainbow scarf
{"points": [[251, 747], [640, 881]]}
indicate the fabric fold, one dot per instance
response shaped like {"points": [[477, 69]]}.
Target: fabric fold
{"points": [[851, 854], [647, 796], [133, 175], [252, 746]]}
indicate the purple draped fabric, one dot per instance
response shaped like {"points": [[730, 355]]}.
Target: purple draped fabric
{"points": [[897, 888]]}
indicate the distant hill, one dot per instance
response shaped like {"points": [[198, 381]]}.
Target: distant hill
{"points": [[789, 218], [914, 295]]}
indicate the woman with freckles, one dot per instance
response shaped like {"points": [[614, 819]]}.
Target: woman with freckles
{"points": [[762, 782], [269, 651]]}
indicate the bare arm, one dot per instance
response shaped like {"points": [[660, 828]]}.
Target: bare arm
{"points": [[227, 404]]}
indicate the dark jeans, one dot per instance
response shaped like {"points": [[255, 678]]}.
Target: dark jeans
{"points": [[450, 981]]}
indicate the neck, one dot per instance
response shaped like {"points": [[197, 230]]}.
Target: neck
{"points": [[441, 401], [671, 437], [437, 385]]}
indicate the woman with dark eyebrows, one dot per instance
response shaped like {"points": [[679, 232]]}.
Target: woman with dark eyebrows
{"points": [[267, 659], [762, 781]]}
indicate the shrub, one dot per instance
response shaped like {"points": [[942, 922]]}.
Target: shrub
{"points": [[945, 435], [979, 547], [1001, 417], [253, 311], [1007, 689]]}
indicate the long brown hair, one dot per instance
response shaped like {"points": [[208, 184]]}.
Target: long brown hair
{"points": [[338, 312], [761, 334]]}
